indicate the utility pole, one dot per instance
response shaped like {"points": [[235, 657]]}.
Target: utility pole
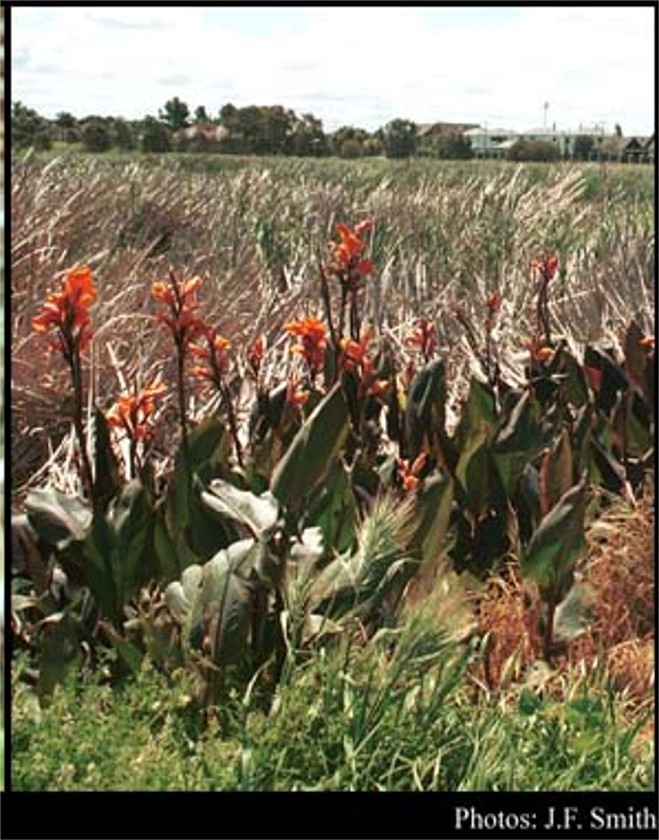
{"points": [[546, 108]]}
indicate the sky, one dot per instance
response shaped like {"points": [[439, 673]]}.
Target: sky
{"points": [[357, 65]]}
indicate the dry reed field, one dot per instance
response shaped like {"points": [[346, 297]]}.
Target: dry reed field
{"points": [[446, 236]]}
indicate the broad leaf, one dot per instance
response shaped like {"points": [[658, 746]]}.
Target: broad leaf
{"points": [[313, 450], [57, 519], [106, 469], [557, 545], [425, 410], [518, 442], [258, 513], [433, 505], [556, 472]]}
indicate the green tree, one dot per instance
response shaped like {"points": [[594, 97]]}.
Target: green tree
{"points": [[67, 127], [155, 136], [348, 141], [308, 137], [96, 136], [400, 139], [122, 135], [28, 128], [175, 114], [201, 115]]}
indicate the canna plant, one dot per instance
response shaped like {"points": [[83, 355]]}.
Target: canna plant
{"points": [[348, 490]]}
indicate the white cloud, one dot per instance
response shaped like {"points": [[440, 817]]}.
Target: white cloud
{"points": [[359, 65]]}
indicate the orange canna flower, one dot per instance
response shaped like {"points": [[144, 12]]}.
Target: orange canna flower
{"points": [[133, 412], [68, 312], [313, 341], [409, 474], [348, 264], [214, 354], [180, 299]]}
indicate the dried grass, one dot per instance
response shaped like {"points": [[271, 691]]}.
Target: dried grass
{"points": [[255, 235], [620, 568]]}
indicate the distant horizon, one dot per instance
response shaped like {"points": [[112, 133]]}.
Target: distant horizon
{"points": [[604, 128], [495, 66]]}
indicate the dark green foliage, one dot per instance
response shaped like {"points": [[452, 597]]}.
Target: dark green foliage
{"points": [[533, 150], [96, 136], [400, 138], [155, 136]]}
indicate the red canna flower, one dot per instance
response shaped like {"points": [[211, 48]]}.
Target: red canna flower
{"points": [[68, 312], [409, 474], [255, 355], [133, 412], [647, 342], [348, 264], [423, 337], [546, 265], [313, 341], [541, 352], [355, 358], [294, 394]]}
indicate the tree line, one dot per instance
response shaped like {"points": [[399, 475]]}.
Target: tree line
{"points": [[253, 130]]}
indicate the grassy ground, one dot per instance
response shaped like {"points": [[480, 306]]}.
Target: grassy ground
{"points": [[335, 726]]}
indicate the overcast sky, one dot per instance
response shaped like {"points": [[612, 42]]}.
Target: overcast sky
{"points": [[358, 66]]}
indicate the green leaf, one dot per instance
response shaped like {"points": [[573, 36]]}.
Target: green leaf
{"points": [[180, 595], [518, 442], [426, 410], [334, 509], [131, 516], [479, 418], [59, 651], [229, 611], [106, 469], [313, 450], [100, 549], [258, 513], [433, 506], [556, 474], [557, 545], [479, 479], [57, 519], [207, 444]]}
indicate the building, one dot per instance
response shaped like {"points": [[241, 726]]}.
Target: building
{"points": [[490, 142]]}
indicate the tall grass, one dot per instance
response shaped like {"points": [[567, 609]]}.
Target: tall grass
{"points": [[256, 230]]}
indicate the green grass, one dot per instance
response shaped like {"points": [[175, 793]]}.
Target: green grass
{"points": [[376, 718]]}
